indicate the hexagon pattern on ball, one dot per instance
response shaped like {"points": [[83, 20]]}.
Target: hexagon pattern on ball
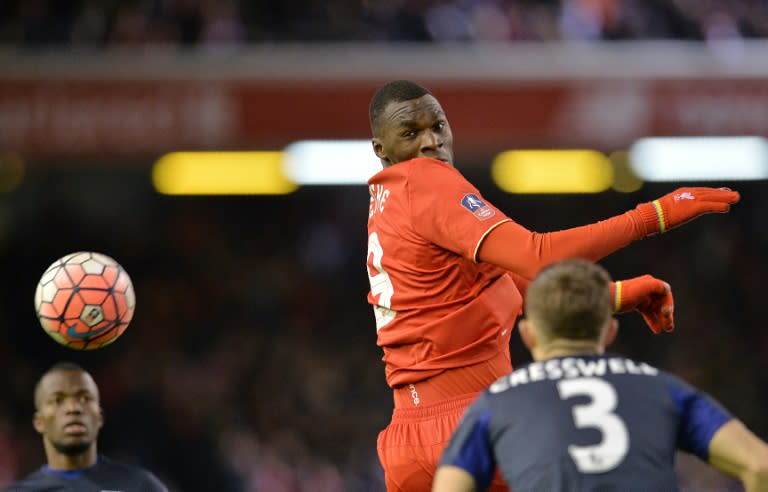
{"points": [[85, 300]]}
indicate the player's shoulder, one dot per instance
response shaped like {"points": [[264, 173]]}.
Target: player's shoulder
{"points": [[674, 381], [424, 166], [35, 481], [430, 165], [421, 175], [132, 476], [133, 473], [550, 371], [637, 375]]}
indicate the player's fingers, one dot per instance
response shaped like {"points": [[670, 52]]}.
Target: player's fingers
{"points": [[669, 321], [663, 288], [716, 207], [652, 322], [659, 287], [668, 314], [703, 193], [655, 327], [730, 196], [719, 195]]}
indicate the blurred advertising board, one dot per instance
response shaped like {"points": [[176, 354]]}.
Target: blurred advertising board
{"points": [[71, 107]]}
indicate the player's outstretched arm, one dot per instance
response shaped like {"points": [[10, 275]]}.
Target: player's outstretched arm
{"points": [[453, 479], [736, 451], [515, 248], [648, 295]]}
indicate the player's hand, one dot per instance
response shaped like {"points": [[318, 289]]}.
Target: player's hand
{"points": [[685, 204], [648, 295]]}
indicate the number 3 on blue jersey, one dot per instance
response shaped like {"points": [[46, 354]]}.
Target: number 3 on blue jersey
{"points": [[381, 284], [598, 413]]}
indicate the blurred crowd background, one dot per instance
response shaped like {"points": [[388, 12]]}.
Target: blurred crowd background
{"points": [[251, 364], [103, 23]]}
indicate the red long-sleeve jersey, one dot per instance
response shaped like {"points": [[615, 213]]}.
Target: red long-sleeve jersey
{"points": [[436, 306]]}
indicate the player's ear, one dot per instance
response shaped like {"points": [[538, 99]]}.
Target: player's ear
{"points": [[378, 149], [527, 334], [611, 332], [37, 422]]}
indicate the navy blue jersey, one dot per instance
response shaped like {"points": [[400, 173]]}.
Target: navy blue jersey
{"points": [[584, 423], [105, 476]]}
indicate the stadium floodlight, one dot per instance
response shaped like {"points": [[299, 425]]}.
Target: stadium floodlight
{"points": [[552, 171], [330, 162], [700, 158], [221, 173]]}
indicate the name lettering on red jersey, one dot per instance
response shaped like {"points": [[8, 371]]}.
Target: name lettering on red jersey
{"points": [[379, 195]]}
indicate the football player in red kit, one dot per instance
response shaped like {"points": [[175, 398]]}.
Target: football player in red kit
{"points": [[448, 270]]}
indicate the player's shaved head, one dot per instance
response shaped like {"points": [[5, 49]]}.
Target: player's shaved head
{"points": [[60, 366], [395, 91], [570, 299]]}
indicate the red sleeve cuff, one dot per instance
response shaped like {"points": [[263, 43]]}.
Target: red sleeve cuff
{"points": [[649, 218]]}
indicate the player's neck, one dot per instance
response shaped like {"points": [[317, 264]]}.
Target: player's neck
{"points": [[64, 462], [564, 348]]}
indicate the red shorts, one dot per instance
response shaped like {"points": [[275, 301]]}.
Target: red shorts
{"points": [[424, 420]]}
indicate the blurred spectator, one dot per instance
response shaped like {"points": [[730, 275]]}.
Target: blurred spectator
{"points": [[228, 24], [222, 26]]}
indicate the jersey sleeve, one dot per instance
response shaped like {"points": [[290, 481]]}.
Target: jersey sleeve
{"points": [[448, 210], [153, 484], [525, 252], [471, 448], [700, 417]]}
